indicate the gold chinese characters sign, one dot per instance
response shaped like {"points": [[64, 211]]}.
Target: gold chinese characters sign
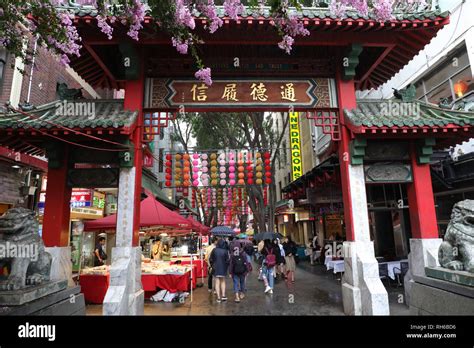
{"points": [[303, 93]]}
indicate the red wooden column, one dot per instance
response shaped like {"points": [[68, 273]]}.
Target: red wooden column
{"points": [[134, 91], [346, 100], [421, 201], [57, 208]]}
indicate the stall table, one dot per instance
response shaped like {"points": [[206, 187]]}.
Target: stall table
{"points": [[94, 286], [201, 270]]}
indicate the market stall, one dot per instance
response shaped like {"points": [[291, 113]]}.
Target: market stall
{"points": [[152, 213], [155, 276]]}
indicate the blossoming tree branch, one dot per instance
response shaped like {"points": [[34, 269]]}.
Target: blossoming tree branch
{"points": [[50, 22]]}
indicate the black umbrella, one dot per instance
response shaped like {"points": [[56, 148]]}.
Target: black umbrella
{"points": [[222, 231]]}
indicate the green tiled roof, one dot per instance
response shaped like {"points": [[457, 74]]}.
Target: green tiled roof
{"points": [[395, 113], [95, 113], [308, 12]]}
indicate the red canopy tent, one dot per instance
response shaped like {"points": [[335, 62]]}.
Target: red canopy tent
{"points": [[152, 213], [198, 227]]}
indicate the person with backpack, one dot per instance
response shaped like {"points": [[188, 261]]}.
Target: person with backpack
{"points": [[269, 254], [219, 261], [290, 252], [239, 268]]}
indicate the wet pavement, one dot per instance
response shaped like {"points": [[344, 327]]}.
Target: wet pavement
{"points": [[315, 292]]}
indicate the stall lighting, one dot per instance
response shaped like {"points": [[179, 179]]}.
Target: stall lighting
{"points": [[16, 166], [285, 218]]}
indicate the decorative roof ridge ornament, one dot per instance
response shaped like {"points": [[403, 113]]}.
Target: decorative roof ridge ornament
{"points": [[408, 94]]}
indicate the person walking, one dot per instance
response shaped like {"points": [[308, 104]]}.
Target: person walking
{"points": [[314, 247], [99, 254], [239, 268], [290, 251], [280, 270], [269, 253], [259, 256], [210, 278], [219, 261]]}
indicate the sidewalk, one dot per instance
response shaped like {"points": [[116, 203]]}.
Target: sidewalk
{"points": [[315, 292]]}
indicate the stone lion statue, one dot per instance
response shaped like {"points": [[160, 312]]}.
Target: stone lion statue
{"points": [[457, 250], [22, 250]]}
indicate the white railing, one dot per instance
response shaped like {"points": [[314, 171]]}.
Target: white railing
{"points": [[399, 6]]}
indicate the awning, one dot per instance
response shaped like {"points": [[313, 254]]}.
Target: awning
{"points": [[152, 213], [198, 227]]}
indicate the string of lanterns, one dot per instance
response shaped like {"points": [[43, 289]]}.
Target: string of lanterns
{"points": [[231, 168]]}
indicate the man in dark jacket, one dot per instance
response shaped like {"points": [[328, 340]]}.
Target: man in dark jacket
{"points": [[220, 260]]}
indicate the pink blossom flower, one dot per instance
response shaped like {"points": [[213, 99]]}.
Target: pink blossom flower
{"points": [[181, 45], [209, 10], [383, 9], [104, 26], [183, 15], [204, 75], [286, 44], [295, 27], [337, 8], [233, 8], [137, 14]]}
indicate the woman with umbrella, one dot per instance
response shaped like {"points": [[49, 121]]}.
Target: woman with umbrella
{"points": [[219, 260]]}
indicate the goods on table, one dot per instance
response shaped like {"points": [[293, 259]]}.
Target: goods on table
{"points": [[151, 267], [99, 270], [157, 267]]}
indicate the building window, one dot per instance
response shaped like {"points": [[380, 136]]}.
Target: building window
{"points": [[448, 84], [3, 63], [161, 159]]}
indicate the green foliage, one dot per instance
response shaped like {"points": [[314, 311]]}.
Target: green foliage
{"points": [[15, 27]]}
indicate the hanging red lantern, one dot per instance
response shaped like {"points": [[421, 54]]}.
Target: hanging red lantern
{"points": [[250, 175], [250, 181], [168, 170], [168, 157], [267, 162], [268, 168], [168, 163], [268, 174], [168, 177], [168, 183], [266, 155], [268, 181]]}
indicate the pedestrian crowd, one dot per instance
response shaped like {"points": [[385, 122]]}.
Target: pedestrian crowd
{"points": [[229, 257]]}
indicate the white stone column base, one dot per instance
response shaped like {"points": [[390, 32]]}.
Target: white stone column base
{"points": [[423, 253], [362, 290], [125, 295], [61, 264]]}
